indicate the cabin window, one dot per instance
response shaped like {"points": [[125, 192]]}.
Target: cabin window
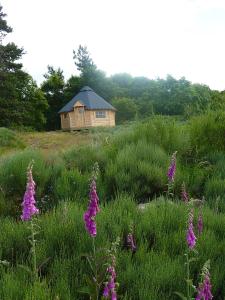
{"points": [[100, 114], [65, 115], [81, 110]]}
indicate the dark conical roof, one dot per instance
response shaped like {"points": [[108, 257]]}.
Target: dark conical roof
{"points": [[90, 100]]}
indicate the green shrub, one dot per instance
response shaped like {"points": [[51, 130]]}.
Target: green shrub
{"points": [[194, 177], [215, 187], [13, 178], [139, 169], [157, 269], [71, 184], [171, 135], [207, 132], [8, 138], [83, 158]]}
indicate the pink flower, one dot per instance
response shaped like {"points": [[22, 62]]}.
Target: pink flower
{"points": [[172, 168], [29, 208], [93, 209], [110, 287], [131, 242], [191, 238], [204, 289], [184, 194]]}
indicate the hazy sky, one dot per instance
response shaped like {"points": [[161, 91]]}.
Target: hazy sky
{"points": [[142, 37]]}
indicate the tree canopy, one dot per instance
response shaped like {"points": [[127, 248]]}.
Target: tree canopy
{"points": [[21, 102]]}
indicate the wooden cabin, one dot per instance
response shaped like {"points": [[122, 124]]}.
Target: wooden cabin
{"points": [[87, 109]]}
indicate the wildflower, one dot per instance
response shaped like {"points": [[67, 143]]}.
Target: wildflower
{"points": [[184, 194], [93, 209], [204, 289], [131, 242], [110, 287], [29, 208], [200, 224], [191, 238], [172, 168]]}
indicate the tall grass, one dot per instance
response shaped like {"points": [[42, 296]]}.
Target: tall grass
{"points": [[8, 138], [155, 271], [13, 170], [138, 169], [207, 132], [134, 160]]}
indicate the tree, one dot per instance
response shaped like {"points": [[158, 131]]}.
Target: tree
{"points": [[4, 28], [33, 105], [126, 109], [21, 102], [72, 87], [89, 74], [53, 89], [217, 100], [83, 61]]}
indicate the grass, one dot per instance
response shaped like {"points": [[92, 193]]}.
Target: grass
{"points": [[156, 270], [52, 141], [133, 162], [9, 141]]}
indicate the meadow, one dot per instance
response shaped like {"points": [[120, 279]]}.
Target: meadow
{"points": [[132, 186]]}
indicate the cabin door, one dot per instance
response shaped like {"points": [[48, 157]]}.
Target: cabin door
{"points": [[79, 117]]}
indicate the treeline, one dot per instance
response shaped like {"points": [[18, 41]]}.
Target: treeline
{"points": [[24, 104]]}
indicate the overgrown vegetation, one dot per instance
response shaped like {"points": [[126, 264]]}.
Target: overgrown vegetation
{"points": [[155, 270], [133, 163], [132, 184], [131, 160]]}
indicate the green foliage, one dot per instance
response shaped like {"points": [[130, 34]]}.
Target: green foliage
{"points": [[134, 159], [21, 101], [132, 95], [133, 164], [83, 61], [71, 184], [126, 109], [84, 158], [138, 169], [72, 87], [166, 132], [13, 179], [4, 28], [156, 270], [8, 138], [53, 89], [207, 132]]}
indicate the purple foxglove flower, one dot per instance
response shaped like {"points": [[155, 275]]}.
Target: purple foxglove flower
{"points": [[131, 242], [204, 289], [200, 224], [106, 292], [172, 168], [93, 209], [184, 194], [29, 208], [114, 296], [110, 287], [191, 238]]}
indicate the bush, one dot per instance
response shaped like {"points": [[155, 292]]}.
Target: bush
{"points": [[8, 138], [139, 169], [71, 184], [207, 132], [171, 135], [157, 269], [13, 179], [83, 158]]}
